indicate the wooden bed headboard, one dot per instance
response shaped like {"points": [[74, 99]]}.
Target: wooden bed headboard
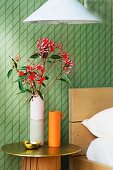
{"points": [[83, 104]]}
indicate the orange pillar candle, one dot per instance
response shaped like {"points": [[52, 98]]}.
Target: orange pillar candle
{"points": [[54, 128]]}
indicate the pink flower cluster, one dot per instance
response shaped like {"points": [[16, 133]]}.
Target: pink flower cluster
{"points": [[68, 64], [46, 46], [35, 73]]}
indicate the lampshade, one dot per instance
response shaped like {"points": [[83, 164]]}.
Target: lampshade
{"points": [[62, 11]]}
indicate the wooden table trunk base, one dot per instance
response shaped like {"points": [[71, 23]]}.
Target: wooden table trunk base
{"points": [[50, 163]]}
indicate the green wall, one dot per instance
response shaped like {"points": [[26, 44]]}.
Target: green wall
{"points": [[90, 46]]}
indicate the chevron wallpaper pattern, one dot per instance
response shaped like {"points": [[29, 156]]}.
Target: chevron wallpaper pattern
{"points": [[91, 46]]}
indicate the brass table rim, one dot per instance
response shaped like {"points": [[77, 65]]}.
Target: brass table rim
{"points": [[17, 149]]}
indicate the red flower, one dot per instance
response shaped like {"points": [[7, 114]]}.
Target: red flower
{"points": [[64, 55], [52, 46], [68, 66], [42, 45], [38, 67], [42, 70], [42, 80], [45, 41], [29, 68], [46, 46], [21, 73], [32, 76], [69, 63]]}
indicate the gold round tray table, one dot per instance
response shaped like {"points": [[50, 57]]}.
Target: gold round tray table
{"points": [[43, 158]]}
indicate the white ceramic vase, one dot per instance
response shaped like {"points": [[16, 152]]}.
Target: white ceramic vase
{"points": [[37, 120]]}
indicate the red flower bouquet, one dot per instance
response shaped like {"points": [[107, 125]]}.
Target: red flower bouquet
{"points": [[33, 76]]}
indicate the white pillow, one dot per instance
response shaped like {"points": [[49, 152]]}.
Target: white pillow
{"points": [[101, 151], [101, 124]]}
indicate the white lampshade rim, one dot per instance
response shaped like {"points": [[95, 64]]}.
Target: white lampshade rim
{"points": [[63, 21]]}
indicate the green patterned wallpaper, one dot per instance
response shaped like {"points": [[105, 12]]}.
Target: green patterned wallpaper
{"points": [[91, 46]]}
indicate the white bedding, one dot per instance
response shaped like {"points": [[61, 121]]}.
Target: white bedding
{"points": [[101, 151]]}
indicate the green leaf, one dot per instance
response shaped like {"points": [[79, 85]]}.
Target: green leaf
{"points": [[43, 85], [34, 56], [55, 57], [27, 90], [24, 91], [15, 64], [62, 79], [49, 61], [18, 80], [21, 92], [23, 68], [9, 73], [46, 77], [21, 78], [40, 94], [21, 86], [67, 79]]}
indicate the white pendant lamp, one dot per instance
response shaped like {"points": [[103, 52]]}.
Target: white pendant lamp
{"points": [[62, 11]]}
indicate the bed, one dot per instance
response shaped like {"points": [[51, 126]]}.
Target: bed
{"points": [[83, 104]]}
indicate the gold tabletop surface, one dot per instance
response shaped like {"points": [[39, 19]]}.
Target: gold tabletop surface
{"points": [[17, 149]]}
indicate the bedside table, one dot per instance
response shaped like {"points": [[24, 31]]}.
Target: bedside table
{"points": [[43, 158]]}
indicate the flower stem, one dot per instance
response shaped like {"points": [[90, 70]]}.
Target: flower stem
{"points": [[53, 82], [44, 62]]}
